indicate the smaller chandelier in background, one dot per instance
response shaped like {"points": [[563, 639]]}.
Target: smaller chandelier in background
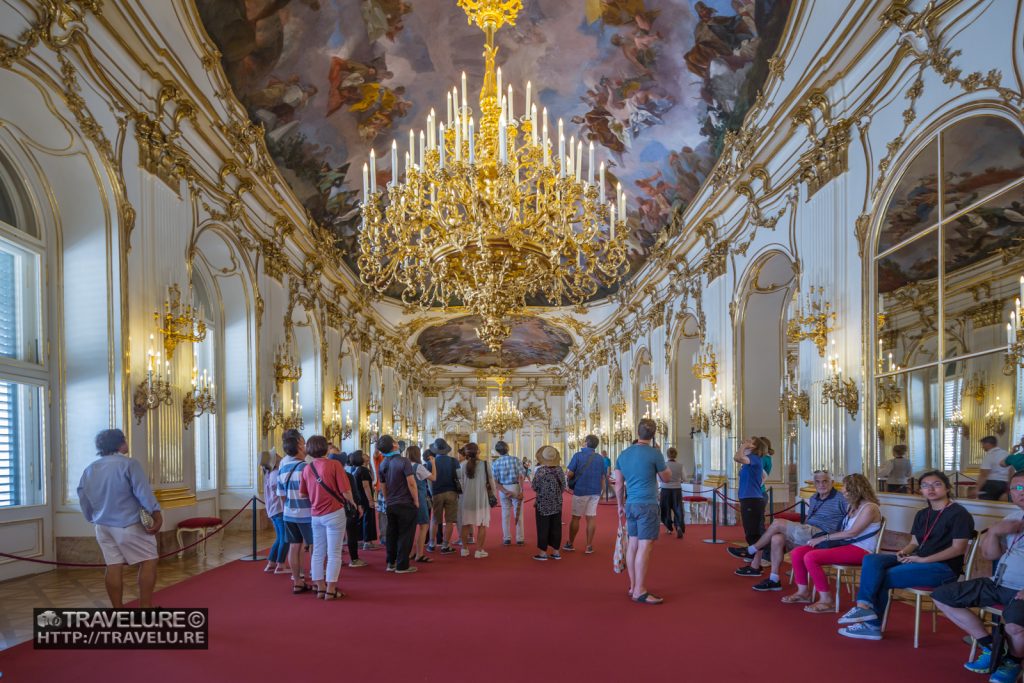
{"points": [[500, 415], [179, 323], [286, 369]]}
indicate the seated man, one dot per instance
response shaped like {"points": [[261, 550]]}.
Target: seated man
{"points": [[1006, 588], [826, 512]]}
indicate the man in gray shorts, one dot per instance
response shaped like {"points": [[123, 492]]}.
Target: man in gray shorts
{"points": [[826, 510]]}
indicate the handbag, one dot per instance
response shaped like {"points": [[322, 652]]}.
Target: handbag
{"points": [[619, 555], [351, 511], [576, 475], [839, 542], [491, 498]]}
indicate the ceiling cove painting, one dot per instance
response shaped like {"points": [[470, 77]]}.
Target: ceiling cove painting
{"points": [[655, 84], [533, 341]]}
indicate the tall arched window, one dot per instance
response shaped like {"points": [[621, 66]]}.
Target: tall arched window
{"points": [[24, 377], [205, 359], [948, 261]]}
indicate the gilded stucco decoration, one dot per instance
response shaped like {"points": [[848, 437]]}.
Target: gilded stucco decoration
{"points": [[829, 140]]}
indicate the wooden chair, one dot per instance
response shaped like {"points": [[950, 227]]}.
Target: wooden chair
{"points": [[201, 527], [921, 593]]}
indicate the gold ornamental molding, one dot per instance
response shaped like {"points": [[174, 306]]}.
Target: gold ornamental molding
{"points": [[829, 140]]}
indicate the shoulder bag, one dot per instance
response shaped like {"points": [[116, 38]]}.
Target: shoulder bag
{"points": [[351, 511], [576, 475], [491, 498]]}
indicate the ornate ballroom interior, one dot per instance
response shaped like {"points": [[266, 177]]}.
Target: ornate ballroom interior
{"points": [[795, 218]]}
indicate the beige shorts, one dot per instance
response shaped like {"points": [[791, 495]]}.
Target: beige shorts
{"points": [[584, 506], [129, 545], [798, 534], [445, 506]]}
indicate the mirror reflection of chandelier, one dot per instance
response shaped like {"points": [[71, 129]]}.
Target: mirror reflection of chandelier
{"points": [[489, 212], [500, 415]]}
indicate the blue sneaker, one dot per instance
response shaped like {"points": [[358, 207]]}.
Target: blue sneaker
{"points": [[983, 663], [857, 615], [1008, 672], [864, 631]]}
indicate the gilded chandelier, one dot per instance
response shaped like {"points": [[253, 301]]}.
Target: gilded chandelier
{"points": [[813, 321], [179, 323], [200, 399], [500, 415], [489, 213], [705, 365], [842, 392]]}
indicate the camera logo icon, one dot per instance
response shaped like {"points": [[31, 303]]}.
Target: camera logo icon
{"points": [[48, 618]]}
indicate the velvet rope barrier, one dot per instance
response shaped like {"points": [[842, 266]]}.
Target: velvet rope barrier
{"points": [[159, 557], [715, 493]]}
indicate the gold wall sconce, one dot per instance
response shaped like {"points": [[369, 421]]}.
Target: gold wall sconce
{"points": [[814, 320], [699, 421], [273, 417], [179, 323], [155, 390], [795, 403], [837, 390], [200, 400], [720, 416], [995, 418], [705, 365]]}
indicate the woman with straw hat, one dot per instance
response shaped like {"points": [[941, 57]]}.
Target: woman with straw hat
{"points": [[549, 485]]}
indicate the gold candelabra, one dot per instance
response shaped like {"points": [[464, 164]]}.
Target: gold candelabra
{"points": [[699, 422], [842, 392], [179, 323], [956, 419], [501, 415], [649, 392], [200, 399], [795, 403], [1015, 337], [897, 428], [705, 365], [286, 369], [653, 412], [273, 417], [155, 390], [720, 416], [488, 214], [814, 320], [342, 392], [995, 418], [619, 406], [373, 405]]}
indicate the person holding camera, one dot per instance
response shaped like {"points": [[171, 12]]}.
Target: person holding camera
{"points": [[117, 499]]}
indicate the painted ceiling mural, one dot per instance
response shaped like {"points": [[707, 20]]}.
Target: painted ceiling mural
{"points": [[533, 341], [654, 83]]}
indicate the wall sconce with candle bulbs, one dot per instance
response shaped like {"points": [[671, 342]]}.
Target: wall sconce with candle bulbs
{"points": [[720, 416], [332, 428], [897, 428], [699, 422], [200, 399], [995, 418], [813, 321], [1014, 337], [273, 417], [155, 390], [705, 365], [842, 392], [179, 323], [294, 420], [795, 403]]}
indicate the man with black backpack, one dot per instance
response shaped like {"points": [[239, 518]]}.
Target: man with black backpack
{"points": [[586, 474]]}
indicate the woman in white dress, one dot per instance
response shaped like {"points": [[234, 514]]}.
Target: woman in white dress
{"points": [[474, 506]]}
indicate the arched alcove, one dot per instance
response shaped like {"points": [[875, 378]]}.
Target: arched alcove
{"points": [[686, 388]]}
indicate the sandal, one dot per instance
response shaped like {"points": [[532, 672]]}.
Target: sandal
{"points": [[796, 599], [304, 588], [423, 558], [820, 608], [336, 595], [648, 599]]}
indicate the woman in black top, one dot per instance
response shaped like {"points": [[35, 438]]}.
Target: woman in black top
{"points": [[362, 490], [934, 556]]}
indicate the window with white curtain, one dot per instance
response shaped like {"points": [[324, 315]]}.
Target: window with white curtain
{"points": [[951, 443], [205, 426]]}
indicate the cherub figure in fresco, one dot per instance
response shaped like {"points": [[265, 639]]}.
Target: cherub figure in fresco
{"points": [[383, 105], [640, 46], [277, 103], [384, 18], [600, 124], [717, 38], [350, 80]]}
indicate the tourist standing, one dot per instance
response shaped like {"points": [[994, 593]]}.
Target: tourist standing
{"points": [[326, 484], [355, 525], [638, 468], [474, 505], [508, 478], [275, 512], [548, 486], [992, 473], [424, 474], [445, 500], [898, 471], [585, 475], [671, 495], [401, 496], [750, 492], [297, 516], [113, 492]]}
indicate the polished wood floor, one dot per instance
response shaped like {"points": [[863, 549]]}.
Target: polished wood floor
{"points": [[65, 587]]}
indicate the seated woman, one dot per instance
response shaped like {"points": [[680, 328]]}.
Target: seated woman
{"points": [[849, 545], [934, 556]]}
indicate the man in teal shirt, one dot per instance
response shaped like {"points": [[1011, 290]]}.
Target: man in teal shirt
{"points": [[638, 468]]}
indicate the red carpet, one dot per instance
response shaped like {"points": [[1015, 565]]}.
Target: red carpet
{"points": [[508, 617]]}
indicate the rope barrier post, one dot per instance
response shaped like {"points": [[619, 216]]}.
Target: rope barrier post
{"points": [[771, 503], [714, 519], [255, 556], [803, 511], [725, 502]]}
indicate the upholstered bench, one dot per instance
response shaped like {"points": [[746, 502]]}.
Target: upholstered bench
{"points": [[200, 526], [698, 507]]}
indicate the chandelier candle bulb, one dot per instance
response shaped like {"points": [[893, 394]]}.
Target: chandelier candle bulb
{"points": [[611, 221], [533, 124], [561, 151], [622, 201], [590, 164], [449, 98], [366, 181], [544, 141], [508, 105], [472, 137], [440, 132], [373, 171], [1009, 335], [464, 91], [502, 142], [1021, 291], [579, 160], [601, 184]]}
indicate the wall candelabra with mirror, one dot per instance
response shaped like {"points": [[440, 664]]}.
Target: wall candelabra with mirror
{"points": [[947, 274]]}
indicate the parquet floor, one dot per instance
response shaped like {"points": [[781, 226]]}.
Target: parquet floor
{"points": [[64, 587]]}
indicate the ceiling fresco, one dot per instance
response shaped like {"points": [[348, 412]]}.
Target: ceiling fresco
{"points": [[533, 341], [654, 83]]}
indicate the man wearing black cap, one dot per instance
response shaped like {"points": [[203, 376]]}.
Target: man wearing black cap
{"points": [[445, 503]]}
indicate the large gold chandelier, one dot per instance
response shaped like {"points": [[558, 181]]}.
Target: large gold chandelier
{"points": [[500, 415], [489, 212]]}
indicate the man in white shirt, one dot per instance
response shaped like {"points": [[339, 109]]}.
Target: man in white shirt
{"points": [[993, 474]]}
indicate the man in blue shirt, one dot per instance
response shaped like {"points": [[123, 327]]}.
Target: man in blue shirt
{"points": [[638, 468], [111, 492], [445, 495], [508, 478], [586, 474]]}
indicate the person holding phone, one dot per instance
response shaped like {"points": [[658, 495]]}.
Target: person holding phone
{"points": [[934, 556]]}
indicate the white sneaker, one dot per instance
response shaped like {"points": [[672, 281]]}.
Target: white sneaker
{"points": [[480, 554], [464, 552]]}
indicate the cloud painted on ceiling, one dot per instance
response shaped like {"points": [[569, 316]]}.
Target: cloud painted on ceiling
{"points": [[533, 341]]}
